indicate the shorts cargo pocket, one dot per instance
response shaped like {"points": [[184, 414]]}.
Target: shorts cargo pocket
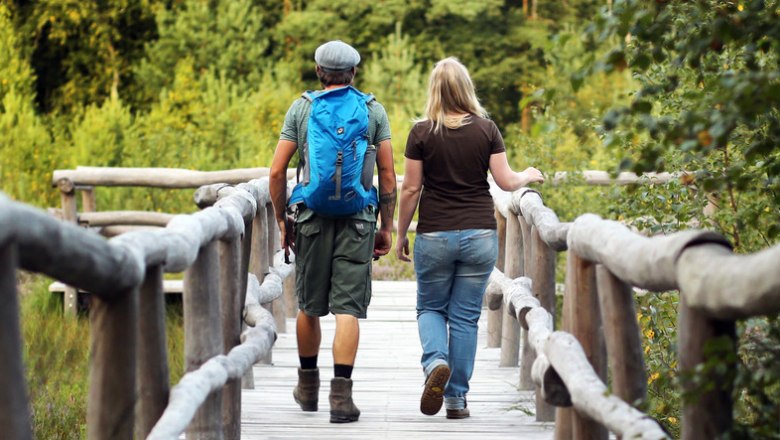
{"points": [[306, 234], [362, 240]]}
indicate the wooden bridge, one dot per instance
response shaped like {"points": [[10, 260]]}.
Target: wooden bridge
{"points": [[388, 385], [234, 275]]}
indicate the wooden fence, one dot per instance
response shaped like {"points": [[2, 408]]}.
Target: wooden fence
{"points": [[216, 248], [605, 261]]}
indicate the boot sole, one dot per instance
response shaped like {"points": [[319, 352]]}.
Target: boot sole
{"points": [[433, 394], [343, 419], [308, 406]]}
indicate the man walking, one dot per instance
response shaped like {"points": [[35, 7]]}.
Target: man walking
{"points": [[335, 130]]}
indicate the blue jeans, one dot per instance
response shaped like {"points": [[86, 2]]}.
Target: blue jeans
{"points": [[452, 270]]}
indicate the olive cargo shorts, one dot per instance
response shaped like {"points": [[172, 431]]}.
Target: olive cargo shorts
{"points": [[333, 262]]}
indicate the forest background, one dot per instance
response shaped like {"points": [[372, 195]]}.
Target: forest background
{"points": [[573, 85]]}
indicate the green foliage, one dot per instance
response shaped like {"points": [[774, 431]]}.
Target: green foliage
{"points": [[56, 354], [656, 314], [27, 154], [56, 358], [758, 379], [708, 102], [394, 76], [15, 72], [224, 39], [82, 51]]}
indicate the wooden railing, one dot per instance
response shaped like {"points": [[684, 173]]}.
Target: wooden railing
{"points": [[216, 248], [84, 181], [605, 260]]}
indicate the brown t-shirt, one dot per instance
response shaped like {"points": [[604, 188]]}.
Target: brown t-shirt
{"points": [[456, 193]]}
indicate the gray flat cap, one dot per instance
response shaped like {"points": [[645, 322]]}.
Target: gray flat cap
{"points": [[336, 55]]}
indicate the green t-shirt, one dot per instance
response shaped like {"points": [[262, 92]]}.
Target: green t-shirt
{"points": [[297, 120]]}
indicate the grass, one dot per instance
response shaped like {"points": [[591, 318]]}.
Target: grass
{"points": [[56, 352], [56, 359]]}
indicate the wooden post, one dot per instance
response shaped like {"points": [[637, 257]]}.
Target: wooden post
{"points": [[260, 261], [231, 307], [246, 255], [528, 354], [563, 416], [202, 338], [586, 327], [542, 272], [495, 317], [14, 409], [709, 414], [278, 307], [622, 336], [112, 384], [88, 201], [290, 297], [153, 373], [513, 268], [70, 296]]}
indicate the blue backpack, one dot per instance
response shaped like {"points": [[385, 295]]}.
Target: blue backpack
{"points": [[337, 160]]}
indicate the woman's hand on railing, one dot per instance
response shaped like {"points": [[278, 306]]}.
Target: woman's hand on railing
{"points": [[531, 175]]}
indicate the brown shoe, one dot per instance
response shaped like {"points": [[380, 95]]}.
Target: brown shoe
{"points": [[342, 408], [458, 413], [433, 394], [306, 393]]}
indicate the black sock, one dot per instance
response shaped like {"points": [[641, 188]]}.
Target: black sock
{"points": [[341, 370], [308, 363]]}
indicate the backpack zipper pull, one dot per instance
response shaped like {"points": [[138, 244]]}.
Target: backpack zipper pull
{"points": [[339, 162]]}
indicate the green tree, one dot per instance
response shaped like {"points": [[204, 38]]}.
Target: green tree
{"points": [[25, 144], [708, 101], [227, 38], [81, 51]]}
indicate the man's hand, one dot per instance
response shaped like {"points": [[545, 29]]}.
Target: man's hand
{"points": [[383, 241], [287, 237]]}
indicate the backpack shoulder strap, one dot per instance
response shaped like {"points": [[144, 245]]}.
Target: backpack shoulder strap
{"points": [[309, 95]]}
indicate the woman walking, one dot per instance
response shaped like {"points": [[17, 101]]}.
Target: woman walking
{"points": [[448, 154]]}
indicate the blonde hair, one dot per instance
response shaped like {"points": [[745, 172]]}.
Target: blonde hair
{"points": [[451, 96]]}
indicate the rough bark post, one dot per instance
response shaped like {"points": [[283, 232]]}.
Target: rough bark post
{"points": [[153, 373], [495, 317], [231, 308], [248, 380], [542, 272], [622, 336], [70, 296], [88, 201], [709, 415], [14, 409], [563, 416], [260, 261], [278, 307], [513, 268], [113, 326], [246, 255], [527, 354], [202, 336], [586, 327]]}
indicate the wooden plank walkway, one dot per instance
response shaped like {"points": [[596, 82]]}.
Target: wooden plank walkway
{"points": [[387, 386]]}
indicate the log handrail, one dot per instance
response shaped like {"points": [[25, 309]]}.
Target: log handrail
{"points": [[124, 274], [609, 260]]}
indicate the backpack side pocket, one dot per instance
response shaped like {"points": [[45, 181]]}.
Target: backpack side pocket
{"points": [[369, 162]]}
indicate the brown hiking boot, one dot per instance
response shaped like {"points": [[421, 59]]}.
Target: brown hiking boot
{"points": [[307, 392], [458, 413], [433, 394], [342, 408]]}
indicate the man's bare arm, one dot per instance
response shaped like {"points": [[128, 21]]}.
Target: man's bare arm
{"points": [[277, 186], [387, 185]]}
